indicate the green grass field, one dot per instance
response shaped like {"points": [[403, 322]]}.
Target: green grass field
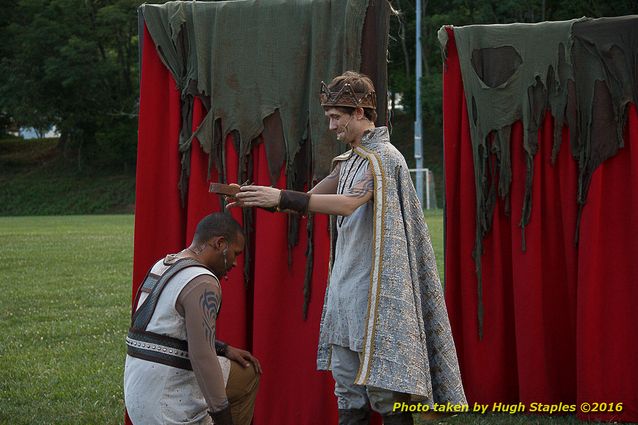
{"points": [[434, 220], [64, 311], [65, 285]]}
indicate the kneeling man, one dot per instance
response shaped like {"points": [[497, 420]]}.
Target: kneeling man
{"points": [[176, 372]]}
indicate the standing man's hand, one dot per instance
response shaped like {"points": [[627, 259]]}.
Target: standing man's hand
{"points": [[257, 196], [231, 200], [243, 357]]}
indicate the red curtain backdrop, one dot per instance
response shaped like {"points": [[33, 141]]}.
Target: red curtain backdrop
{"points": [[558, 319], [264, 316]]}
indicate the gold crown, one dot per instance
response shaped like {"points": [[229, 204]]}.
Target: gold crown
{"points": [[347, 97]]}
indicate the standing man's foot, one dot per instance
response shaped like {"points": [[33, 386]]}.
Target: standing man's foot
{"points": [[434, 416], [399, 419], [354, 416]]}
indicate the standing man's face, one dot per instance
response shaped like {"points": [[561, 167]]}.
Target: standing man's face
{"points": [[342, 124]]}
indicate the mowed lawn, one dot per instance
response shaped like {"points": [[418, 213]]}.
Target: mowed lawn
{"points": [[65, 285], [65, 290]]}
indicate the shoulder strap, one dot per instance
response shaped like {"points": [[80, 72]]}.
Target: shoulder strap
{"points": [[142, 316]]}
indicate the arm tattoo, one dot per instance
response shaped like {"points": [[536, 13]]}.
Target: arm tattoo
{"points": [[209, 302], [362, 188]]}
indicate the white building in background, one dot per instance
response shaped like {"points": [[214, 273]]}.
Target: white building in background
{"points": [[398, 99], [28, 133]]}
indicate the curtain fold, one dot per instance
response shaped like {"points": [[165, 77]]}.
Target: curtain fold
{"points": [[558, 319]]}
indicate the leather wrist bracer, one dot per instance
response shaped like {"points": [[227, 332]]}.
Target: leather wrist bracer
{"points": [[220, 347], [292, 200]]}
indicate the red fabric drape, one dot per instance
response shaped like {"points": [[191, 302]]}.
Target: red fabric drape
{"points": [[558, 322], [291, 390], [264, 316]]}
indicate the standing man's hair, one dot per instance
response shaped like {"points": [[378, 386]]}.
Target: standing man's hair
{"points": [[217, 224], [361, 84]]}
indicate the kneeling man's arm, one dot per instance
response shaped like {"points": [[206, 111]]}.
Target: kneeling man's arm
{"points": [[200, 302]]}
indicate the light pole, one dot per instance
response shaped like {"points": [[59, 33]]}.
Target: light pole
{"points": [[418, 140]]}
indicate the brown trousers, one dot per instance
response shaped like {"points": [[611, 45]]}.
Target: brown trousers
{"points": [[241, 391]]}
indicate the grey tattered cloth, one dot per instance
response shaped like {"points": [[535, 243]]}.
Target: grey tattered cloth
{"points": [[407, 343], [583, 74], [264, 70]]}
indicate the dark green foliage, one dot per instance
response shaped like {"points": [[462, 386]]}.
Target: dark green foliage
{"points": [[42, 194], [72, 64], [36, 180], [6, 125]]}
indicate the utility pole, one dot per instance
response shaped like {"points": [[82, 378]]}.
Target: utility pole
{"points": [[418, 141]]}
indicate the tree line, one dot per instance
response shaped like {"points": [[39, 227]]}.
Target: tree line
{"points": [[73, 64]]}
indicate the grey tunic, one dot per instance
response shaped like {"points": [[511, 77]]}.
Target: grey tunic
{"points": [[347, 300], [407, 341]]}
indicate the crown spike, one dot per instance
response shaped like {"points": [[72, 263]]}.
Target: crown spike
{"points": [[347, 97]]}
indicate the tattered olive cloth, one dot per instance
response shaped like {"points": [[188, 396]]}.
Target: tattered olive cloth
{"points": [[249, 60], [257, 67], [407, 341], [584, 72]]}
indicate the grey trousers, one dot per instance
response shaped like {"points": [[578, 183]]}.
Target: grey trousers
{"points": [[345, 364]]}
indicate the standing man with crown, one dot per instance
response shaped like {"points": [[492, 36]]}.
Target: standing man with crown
{"points": [[385, 332]]}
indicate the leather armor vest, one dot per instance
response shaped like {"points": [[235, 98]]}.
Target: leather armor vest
{"points": [[149, 345]]}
